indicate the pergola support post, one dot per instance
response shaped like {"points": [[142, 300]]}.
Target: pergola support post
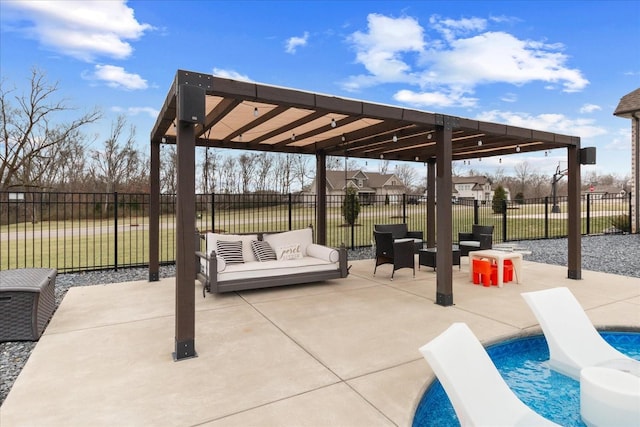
{"points": [[190, 110], [431, 203], [321, 200], [574, 221], [154, 213], [444, 187]]}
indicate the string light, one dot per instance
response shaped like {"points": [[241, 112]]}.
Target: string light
{"points": [[344, 138], [395, 138], [517, 148], [479, 143], [333, 123], [500, 160], [382, 156], [293, 136], [255, 112]]}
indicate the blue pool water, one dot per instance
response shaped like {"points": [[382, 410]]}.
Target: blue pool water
{"points": [[523, 364]]}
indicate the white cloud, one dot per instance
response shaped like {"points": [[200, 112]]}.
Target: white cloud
{"points": [[509, 97], [548, 122], [84, 30], [457, 56], [230, 74], [117, 77], [380, 49], [294, 43], [589, 108], [134, 111], [621, 141], [436, 99]]}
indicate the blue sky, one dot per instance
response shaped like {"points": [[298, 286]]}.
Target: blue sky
{"points": [[559, 66]]}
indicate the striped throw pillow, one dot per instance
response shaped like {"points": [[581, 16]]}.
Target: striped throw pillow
{"points": [[263, 251], [231, 252]]}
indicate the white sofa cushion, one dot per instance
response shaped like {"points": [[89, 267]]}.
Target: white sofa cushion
{"points": [[303, 237], [251, 270], [469, 243], [323, 252]]}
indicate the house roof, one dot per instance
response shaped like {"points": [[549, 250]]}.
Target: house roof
{"points": [[335, 179], [251, 116], [478, 179], [629, 104]]}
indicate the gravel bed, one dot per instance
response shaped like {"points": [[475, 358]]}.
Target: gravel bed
{"points": [[616, 254]]}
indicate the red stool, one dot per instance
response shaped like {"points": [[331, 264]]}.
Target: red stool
{"points": [[481, 272], [507, 272]]}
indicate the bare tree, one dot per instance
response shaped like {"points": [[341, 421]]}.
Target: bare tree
{"points": [[383, 167], [284, 173], [264, 165], [211, 165], [228, 176], [30, 138], [407, 175], [169, 169], [302, 170], [335, 163], [523, 174], [117, 166], [246, 163]]}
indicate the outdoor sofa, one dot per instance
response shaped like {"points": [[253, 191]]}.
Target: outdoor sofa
{"points": [[234, 262]]}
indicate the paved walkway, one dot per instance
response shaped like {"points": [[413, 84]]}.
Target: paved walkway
{"points": [[339, 353]]}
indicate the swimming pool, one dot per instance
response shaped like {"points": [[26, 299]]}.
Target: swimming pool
{"points": [[522, 362]]}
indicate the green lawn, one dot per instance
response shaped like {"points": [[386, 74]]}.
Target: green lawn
{"points": [[87, 244]]}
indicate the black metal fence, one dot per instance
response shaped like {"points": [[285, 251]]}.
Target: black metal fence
{"points": [[93, 231]]}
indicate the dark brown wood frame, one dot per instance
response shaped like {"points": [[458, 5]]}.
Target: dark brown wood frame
{"points": [[207, 111]]}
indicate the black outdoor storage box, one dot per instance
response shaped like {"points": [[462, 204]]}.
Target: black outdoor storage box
{"points": [[27, 301]]}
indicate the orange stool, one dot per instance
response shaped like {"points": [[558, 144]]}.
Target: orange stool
{"points": [[507, 272], [481, 272]]}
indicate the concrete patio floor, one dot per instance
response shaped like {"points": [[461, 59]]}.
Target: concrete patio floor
{"points": [[337, 353]]}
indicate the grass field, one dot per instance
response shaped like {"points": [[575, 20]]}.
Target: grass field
{"points": [[88, 244]]}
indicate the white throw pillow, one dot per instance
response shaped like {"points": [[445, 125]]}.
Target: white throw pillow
{"points": [[302, 237], [289, 252]]}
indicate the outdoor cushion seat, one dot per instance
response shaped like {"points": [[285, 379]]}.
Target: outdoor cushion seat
{"points": [[481, 237], [401, 233]]}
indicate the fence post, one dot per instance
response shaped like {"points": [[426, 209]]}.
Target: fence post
{"points": [[213, 195], [546, 217], [404, 207], [476, 211], [588, 214], [631, 214], [115, 230], [504, 220], [290, 222]]}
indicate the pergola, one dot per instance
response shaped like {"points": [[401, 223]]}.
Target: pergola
{"points": [[208, 111]]}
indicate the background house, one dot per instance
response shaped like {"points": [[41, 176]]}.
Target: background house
{"points": [[629, 107], [605, 192], [371, 186], [474, 188]]}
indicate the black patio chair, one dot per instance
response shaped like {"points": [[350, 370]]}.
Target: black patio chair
{"points": [[481, 237], [399, 253]]}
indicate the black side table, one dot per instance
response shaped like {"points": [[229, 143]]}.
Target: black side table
{"points": [[427, 257]]}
